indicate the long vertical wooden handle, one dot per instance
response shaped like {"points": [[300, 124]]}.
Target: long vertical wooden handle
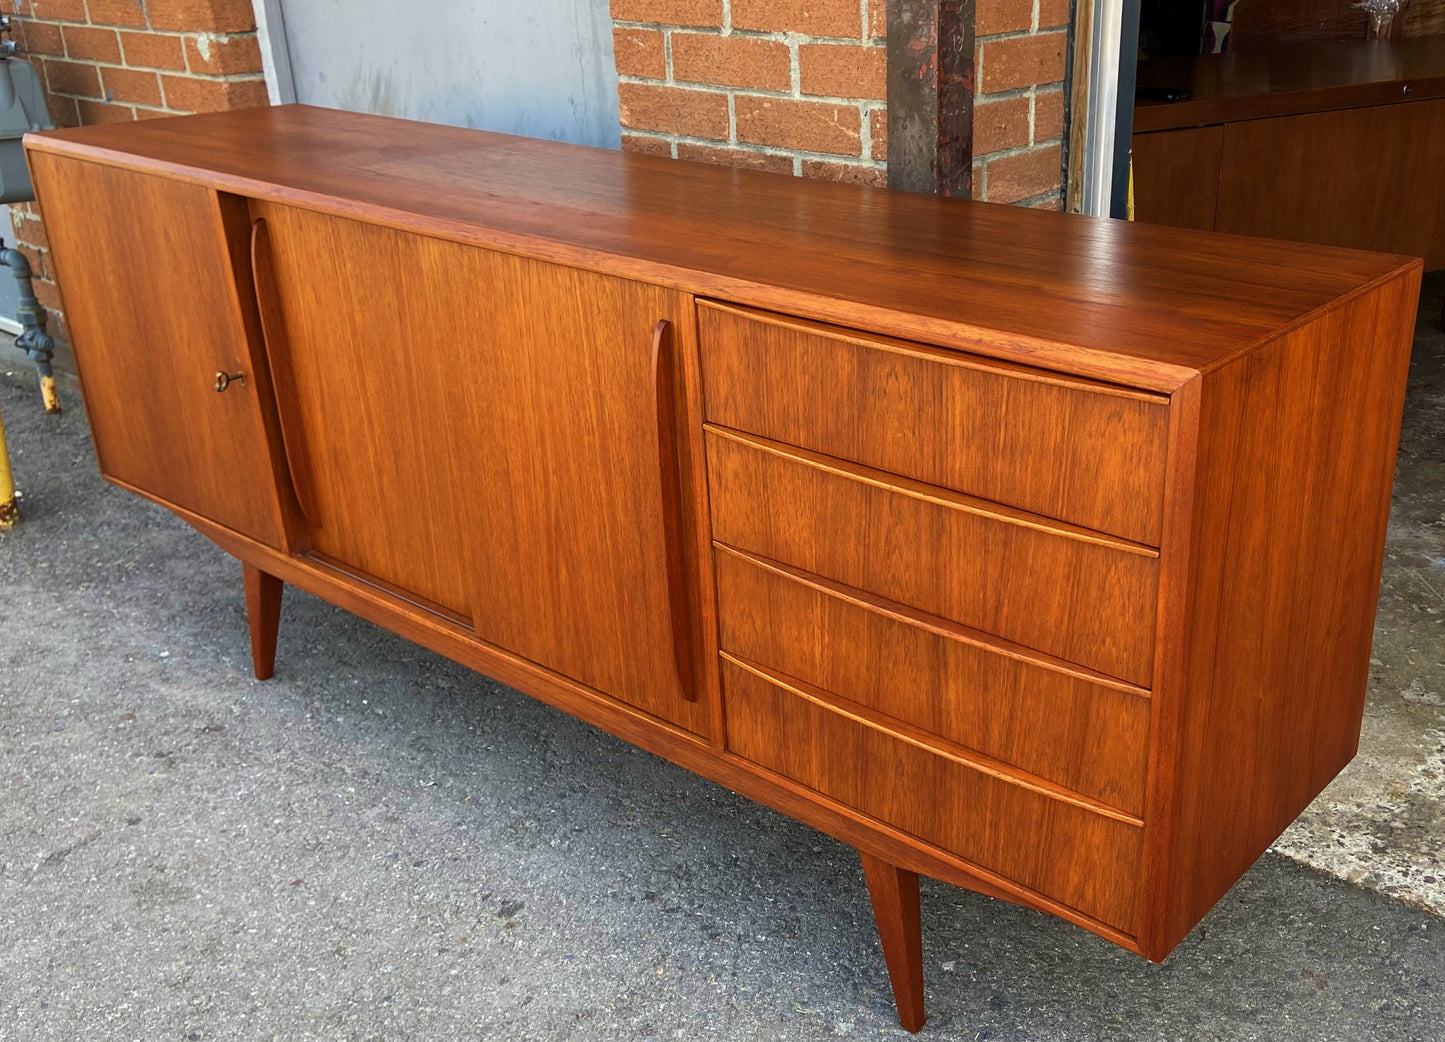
{"points": [[283, 377], [664, 397]]}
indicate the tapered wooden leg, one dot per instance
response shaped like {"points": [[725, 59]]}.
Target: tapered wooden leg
{"points": [[263, 613], [895, 908]]}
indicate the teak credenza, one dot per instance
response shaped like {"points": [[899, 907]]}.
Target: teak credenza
{"points": [[1035, 553]]}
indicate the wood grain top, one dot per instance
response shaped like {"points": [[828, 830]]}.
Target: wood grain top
{"points": [[1285, 80], [1140, 305]]}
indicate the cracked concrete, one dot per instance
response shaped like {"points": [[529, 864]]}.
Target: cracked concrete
{"points": [[379, 845]]}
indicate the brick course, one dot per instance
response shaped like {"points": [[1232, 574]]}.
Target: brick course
{"points": [[108, 61], [1018, 124], [789, 85], [804, 83]]}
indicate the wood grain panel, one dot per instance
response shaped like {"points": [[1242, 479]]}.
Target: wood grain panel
{"points": [[1297, 446], [1087, 600], [1366, 178], [374, 383], [1115, 300], [1088, 453], [1176, 176], [563, 469], [1082, 732], [154, 312], [1083, 859]]}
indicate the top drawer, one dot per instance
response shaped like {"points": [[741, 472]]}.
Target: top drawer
{"points": [[1077, 450]]}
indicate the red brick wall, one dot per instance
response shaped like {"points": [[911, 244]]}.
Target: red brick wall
{"points": [[1018, 104], [108, 60], [799, 86], [789, 85]]}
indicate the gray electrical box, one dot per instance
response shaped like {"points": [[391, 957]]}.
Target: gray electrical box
{"points": [[22, 109]]}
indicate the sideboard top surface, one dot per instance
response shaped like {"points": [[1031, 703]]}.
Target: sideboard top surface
{"points": [[1136, 304]]}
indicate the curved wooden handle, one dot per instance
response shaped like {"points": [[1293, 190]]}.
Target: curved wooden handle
{"points": [[664, 398], [283, 377]]}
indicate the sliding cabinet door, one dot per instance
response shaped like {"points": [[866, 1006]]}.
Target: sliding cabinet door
{"points": [[496, 438]]}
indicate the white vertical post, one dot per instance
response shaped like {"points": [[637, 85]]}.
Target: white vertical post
{"points": [[1098, 166], [275, 52]]}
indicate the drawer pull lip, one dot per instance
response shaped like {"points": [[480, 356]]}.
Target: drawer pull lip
{"points": [[664, 400], [931, 493], [283, 378], [933, 623], [931, 743]]}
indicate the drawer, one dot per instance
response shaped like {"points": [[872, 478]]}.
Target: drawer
{"points": [[1067, 592], [1085, 452], [1084, 859], [1074, 729]]}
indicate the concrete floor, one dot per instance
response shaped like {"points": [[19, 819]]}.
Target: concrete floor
{"points": [[380, 845]]}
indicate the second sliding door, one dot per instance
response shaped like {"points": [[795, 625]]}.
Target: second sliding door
{"points": [[498, 437]]}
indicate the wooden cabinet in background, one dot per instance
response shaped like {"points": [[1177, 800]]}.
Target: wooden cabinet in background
{"points": [[1341, 144], [1031, 552]]}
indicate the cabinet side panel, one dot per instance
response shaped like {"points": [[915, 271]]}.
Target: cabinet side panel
{"points": [[1296, 462]]}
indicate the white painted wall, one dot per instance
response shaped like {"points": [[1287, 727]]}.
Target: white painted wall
{"points": [[542, 68]]}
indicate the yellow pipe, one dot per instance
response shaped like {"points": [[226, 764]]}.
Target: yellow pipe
{"points": [[9, 512]]}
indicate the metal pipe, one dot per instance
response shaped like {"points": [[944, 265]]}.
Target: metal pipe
{"points": [[31, 314]]}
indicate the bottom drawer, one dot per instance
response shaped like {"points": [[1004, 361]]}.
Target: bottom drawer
{"points": [[1083, 859]]}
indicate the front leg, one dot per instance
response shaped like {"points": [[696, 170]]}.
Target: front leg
{"points": [[263, 614], [895, 908]]}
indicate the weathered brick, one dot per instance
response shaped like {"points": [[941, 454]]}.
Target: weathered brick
{"points": [[639, 52], [809, 126], [63, 112], [1052, 202], [1022, 62], [117, 12], [92, 112], [153, 50], [878, 130], [843, 71], [57, 10], [92, 44], [1053, 14], [815, 17], [48, 293], [1049, 116], [133, 85], [1023, 176], [223, 55], [878, 19], [648, 146], [1003, 16], [1000, 125], [849, 173], [740, 157], [144, 113], [673, 110], [29, 229], [188, 94], [733, 61], [976, 181], [200, 16], [37, 258], [72, 78], [670, 12], [40, 38]]}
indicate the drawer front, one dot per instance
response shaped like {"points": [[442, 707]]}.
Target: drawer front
{"points": [[1084, 452], [1068, 728], [1086, 860], [1087, 600]]}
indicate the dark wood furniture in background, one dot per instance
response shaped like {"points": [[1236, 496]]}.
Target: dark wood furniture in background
{"points": [[1341, 144], [1032, 552]]}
